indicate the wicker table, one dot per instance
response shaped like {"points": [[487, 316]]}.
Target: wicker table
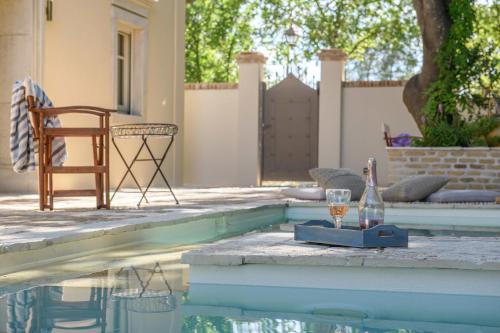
{"points": [[143, 132]]}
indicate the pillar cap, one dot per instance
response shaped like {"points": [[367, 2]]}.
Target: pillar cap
{"points": [[251, 58], [332, 55]]}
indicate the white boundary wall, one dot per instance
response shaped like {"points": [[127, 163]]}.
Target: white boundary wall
{"points": [[211, 129], [365, 105], [212, 157]]}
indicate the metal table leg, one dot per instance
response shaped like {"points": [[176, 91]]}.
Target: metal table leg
{"points": [[158, 168], [129, 170]]}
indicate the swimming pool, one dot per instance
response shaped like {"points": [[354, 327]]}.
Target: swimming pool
{"points": [[82, 290], [145, 289]]}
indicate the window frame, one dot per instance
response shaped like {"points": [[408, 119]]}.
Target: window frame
{"points": [[126, 78], [135, 25]]}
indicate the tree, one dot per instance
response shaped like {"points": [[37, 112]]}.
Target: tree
{"points": [[459, 75], [434, 22], [379, 46], [380, 37], [216, 31]]}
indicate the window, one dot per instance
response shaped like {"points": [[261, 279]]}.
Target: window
{"points": [[123, 72], [130, 38]]}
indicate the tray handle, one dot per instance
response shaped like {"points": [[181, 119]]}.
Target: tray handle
{"points": [[386, 231]]}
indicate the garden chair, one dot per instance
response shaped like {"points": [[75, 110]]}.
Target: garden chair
{"points": [[389, 140], [100, 148]]}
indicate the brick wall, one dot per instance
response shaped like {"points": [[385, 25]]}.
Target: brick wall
{"points": [[467, 168]]}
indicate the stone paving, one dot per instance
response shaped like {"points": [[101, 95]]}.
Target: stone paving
{"points": [[281, 249], [22, 224], [24, 227]]}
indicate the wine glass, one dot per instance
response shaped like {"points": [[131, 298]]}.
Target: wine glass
{"points": [[338, 203]]}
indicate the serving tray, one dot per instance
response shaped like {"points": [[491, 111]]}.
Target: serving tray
{"points": [[324, 232]]}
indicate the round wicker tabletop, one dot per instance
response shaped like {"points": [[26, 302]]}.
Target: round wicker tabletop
{"points": [[141, 130]]}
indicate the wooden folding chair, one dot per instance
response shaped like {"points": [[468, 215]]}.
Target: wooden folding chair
{"points": [[389, 140], [100, 148]]}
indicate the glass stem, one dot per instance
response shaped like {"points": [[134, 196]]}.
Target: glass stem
{"points": [[338, 222]]}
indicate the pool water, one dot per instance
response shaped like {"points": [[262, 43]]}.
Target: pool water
{"points": [[145, 290]]}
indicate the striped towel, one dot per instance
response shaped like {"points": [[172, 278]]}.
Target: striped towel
{"points": [[22, 146]]}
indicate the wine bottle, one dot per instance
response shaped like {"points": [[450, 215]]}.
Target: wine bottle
{"points": [[371, 205]]}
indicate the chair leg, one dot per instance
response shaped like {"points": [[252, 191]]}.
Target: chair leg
{"points": [[98, 187], [106, 161], [101, 162], [45, 192], [41, 171], [50, 175]]}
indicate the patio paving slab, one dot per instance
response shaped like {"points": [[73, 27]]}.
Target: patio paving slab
{"points": [[465, 253], [23, 227]]}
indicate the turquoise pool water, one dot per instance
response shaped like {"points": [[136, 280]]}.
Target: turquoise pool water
{"points": [[153, 296]]}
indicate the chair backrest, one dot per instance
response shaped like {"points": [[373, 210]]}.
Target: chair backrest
{"points": [[387, 134], [29, 92], [34, 118]]}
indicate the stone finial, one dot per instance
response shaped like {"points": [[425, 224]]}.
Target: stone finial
{"points": [[332, 55], [251, 58]]}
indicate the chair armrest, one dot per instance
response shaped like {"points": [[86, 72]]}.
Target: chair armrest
{"points": [[50, 112]]}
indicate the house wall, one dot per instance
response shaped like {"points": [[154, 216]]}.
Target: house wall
{"points": [[77, 65], [19, 46], [211, 147], [78, 69]]}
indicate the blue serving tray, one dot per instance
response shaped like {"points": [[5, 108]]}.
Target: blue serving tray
{"points": [[323, 232]]}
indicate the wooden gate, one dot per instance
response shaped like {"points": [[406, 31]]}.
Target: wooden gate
{"points": [[290, 131]]}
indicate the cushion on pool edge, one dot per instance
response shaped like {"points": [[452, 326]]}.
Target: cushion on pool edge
{"points": [[451, 196], [339, 178], [415, 188], [305, 193]]}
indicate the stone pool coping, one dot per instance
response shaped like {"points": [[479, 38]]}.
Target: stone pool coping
{"points": [[170, 216], [24, 228], [464, 253], [433, 205], [114, 227]]}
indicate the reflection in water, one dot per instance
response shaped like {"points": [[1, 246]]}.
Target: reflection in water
{"points": [[154, 298], [131, 299], [43, 309], [144, 300]]}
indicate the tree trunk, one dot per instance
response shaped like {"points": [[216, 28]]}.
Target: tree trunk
{"points": [[434, 22]]}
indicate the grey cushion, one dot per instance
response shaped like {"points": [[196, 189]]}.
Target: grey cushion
{"points": [[339, 178], [414, 188], [305, 193], [463, 196]]}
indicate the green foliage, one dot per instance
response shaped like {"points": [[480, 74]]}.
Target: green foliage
{"points": [[469, 74], [216, 31], [381, 37], [206, 324], [474, 133], [379, 46]]}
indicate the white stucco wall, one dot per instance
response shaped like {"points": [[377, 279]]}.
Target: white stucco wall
{"points": [[78, 70], [363, 111], [72, 57], [211, 137], [19, 43], [212, 156]]}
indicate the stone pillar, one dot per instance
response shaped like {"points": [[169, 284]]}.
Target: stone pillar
{"points": [[330, 108], [21, 43], [251, 73], [178, 100]]}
